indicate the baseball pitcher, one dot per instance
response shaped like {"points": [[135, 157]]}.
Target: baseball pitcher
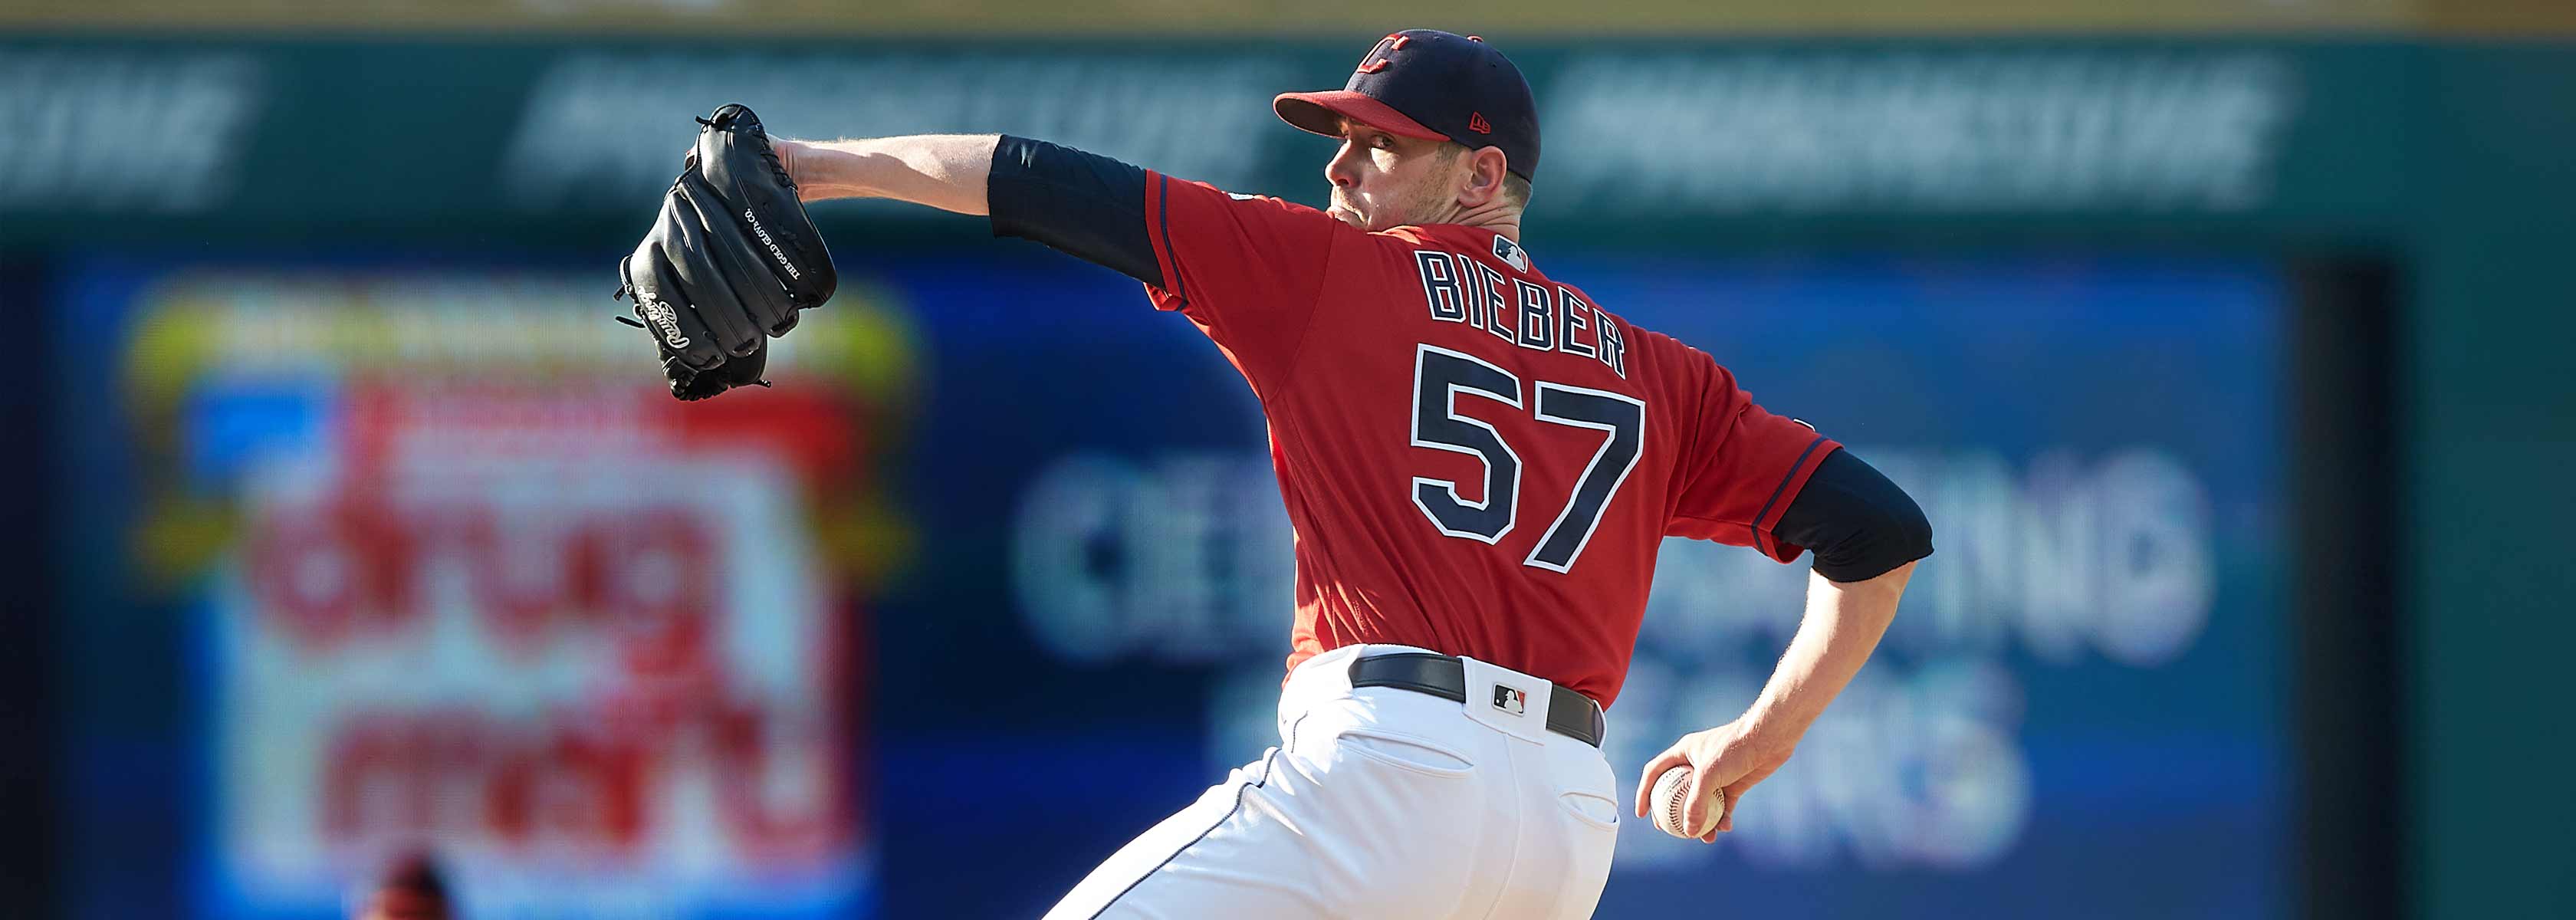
{"points": [[1479, 460]]}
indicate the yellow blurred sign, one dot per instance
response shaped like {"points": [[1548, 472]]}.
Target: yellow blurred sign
{"points": [[1523, 18]]}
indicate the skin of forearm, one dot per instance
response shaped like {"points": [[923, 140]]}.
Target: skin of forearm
{"points": [[1842, 626], [944, 171]]}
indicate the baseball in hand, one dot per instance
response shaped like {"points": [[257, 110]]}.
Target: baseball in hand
{"points": [[1672, 806]]}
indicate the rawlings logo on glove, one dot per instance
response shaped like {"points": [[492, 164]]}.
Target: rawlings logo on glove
{"points": [[703, 280], [663, 318]]}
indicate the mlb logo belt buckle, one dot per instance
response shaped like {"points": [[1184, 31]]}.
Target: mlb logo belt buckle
{"points": [[1508, 700]]}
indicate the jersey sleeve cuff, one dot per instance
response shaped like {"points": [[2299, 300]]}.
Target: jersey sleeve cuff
{"points": [[1764, 540], [1169, 295]]}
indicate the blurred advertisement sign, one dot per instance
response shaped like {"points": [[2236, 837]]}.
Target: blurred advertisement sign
{"points": [[1205, 546], [1918, 131], [1640, 137], [496, 594], [571, 650], [131, 132], [438, 538], [597, 128], [1651, 134]]}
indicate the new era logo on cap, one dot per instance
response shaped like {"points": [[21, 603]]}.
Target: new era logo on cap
{"points": [[1476, 122]]}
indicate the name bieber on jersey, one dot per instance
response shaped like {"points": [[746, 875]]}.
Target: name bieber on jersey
{"points": [[1462, 289]]}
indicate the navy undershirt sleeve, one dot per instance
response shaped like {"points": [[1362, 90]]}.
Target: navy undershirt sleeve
{"points": [[1086, 205], [1858, 524]]}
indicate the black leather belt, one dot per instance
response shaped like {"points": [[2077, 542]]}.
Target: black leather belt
{"points": [[1568, 713]]}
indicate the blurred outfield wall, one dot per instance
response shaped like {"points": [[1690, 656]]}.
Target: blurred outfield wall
{"points": [[2448, 159]]}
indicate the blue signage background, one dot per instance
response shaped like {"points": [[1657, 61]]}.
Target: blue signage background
{"points": [[2082, 708]]}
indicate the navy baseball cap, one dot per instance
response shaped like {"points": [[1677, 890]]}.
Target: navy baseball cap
{"points": [[1432, 85]]}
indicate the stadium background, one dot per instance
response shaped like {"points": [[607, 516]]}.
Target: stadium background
{"points": [[2225, 343]]}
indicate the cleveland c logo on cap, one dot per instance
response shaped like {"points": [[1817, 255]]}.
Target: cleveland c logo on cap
{"points": [[1377, 58]]}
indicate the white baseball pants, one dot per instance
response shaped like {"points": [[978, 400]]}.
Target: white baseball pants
{"points": [[1380, 803]]}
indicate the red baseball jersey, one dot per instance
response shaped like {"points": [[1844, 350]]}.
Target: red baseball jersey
{"points": [[1477, 459]]}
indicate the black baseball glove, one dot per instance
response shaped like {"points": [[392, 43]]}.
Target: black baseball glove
{"points": [[730, 260]]}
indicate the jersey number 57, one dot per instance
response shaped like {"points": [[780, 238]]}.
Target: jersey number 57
{"points": [[1440, 376]]}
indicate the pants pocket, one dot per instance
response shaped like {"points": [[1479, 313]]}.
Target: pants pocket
{"points": [[1591, 808], [1584, 786]]}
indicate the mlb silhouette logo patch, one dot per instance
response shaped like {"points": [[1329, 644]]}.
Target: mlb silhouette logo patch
{"points": [[1510, 700]]}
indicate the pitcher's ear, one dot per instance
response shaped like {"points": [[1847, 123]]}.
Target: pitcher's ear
{"points": [[1486, 167]]}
